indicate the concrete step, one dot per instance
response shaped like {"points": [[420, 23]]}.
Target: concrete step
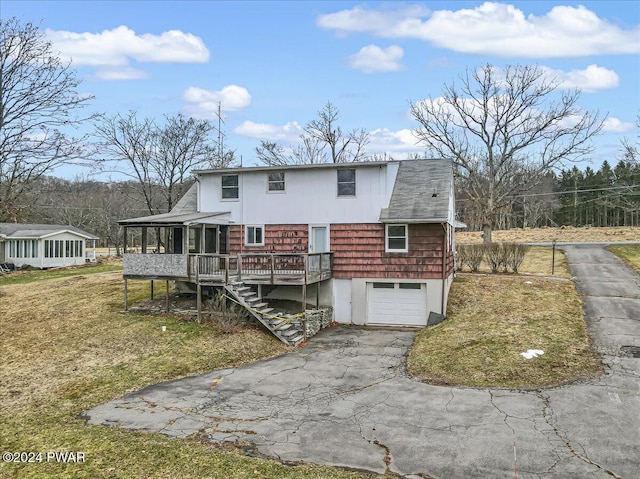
{"points": [[249, 299], [264, 310], [241, 289], [283, 327], [297, 340], [260, 305], [291, 332]]}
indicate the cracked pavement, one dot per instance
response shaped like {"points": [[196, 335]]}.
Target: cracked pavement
{"points": [[346, 400]]}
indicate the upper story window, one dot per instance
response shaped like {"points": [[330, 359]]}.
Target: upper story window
{"points": [[230, 189], [276, 181], [254, 236], [347, 182], [396, 239]]}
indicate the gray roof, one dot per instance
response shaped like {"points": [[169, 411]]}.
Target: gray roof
{"points": [[184, 212], [177, 219], [421, 192], [29, 230], [189, 201], [313, 166]]}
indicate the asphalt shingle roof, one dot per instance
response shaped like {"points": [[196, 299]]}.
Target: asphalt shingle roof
{"points": [[421, 192], [30, 230]]}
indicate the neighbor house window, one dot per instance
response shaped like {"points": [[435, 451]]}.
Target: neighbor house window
{"points": [[54, 248], [230, 188], [254, 235], [347, 182], [396, 240], [276, 181]]}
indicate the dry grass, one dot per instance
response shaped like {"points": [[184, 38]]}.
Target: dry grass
{"points": [[567, 234], [492, 319], [538, 261], [630, 254], [66, 346]]}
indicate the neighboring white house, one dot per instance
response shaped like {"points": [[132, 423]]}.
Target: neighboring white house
{"points": [[45, 246]]}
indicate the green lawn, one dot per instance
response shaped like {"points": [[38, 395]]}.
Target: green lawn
{"points": [[630, 254], [29, 276]]}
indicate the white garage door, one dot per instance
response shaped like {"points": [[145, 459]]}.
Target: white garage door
{"points": [[397, 304]]}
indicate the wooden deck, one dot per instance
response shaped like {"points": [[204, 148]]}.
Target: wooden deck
{"points": [[219, 269]]}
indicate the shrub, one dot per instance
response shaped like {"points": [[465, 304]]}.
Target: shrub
{"points": [[229, 317], [494, 256], [470, 255], [516, 254]]}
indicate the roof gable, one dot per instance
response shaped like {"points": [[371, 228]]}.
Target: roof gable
{"points": [[30, 230]]}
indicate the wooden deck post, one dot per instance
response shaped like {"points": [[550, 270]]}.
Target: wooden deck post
{"points": [[152, 290], [126, 302], [272, 268], [199, 302], [318, 295], [166, 296], [198, 295], [304, 296]]}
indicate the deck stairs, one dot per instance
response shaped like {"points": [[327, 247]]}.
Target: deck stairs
{"points": [[288, 328]]}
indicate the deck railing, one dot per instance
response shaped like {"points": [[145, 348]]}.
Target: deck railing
{"points": [[267, 267]]}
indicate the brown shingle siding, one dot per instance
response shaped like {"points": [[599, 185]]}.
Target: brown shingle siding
{"points": [[359, 251], [277, 239]]}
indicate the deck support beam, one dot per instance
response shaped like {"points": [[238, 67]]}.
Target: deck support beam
{"points": [[199, 303], [166, 296], [126, 301], [151, 290]]}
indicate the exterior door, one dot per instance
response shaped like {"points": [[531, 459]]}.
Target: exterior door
{"points": [[318, 243]]}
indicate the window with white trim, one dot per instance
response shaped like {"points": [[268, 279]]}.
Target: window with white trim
{"points": [[254, 235], [276, 181], [230, 188], [396, 238], [347, 182]]}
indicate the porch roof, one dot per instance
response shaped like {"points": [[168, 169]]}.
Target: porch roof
{"points": [[166, 219]]}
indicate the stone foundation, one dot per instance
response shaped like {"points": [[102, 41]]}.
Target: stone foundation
{"points": [[317, 319]]}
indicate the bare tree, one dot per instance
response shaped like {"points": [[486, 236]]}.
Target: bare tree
{"points": [[631, 149], [159, 158], [504, 130], [322, 140], [38, 99]]}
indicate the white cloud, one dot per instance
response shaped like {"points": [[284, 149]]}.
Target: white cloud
{"points": [[112, 50], [361, 20], [372, 59], [265, 131], [203, 103], [119, 73], [495, 29], [613, 125], [589, 80], [397, 142]]}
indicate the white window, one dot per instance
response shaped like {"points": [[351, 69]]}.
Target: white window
{"points": [[230, 188], [254, 235], [396, 239], [276, 181], [347, 182]]}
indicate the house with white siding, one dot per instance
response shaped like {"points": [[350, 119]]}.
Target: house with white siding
{"points": [[373, 241], [45, 246]]}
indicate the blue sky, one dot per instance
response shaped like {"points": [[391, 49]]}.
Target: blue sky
{"points": [[273, 65]]}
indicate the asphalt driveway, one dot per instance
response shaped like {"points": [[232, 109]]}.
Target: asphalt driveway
{"points": [[346, 400]]}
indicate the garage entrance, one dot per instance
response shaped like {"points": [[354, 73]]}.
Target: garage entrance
{"points": [[402, 304]]}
